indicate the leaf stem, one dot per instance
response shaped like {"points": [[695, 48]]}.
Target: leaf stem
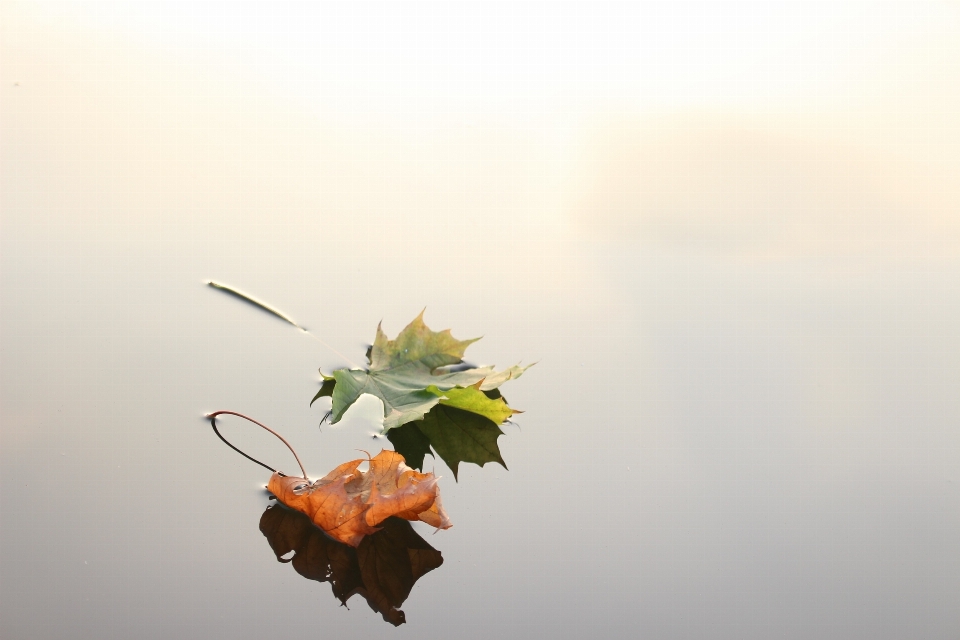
{"points": [[213, 418]]}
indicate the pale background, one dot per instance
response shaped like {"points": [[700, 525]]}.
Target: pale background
{"points": [[728, 232]]}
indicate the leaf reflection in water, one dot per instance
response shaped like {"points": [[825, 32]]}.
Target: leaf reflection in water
{"points": [[383, 569]]}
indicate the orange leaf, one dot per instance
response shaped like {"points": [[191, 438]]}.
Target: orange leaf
{"points": [[348, 504]]}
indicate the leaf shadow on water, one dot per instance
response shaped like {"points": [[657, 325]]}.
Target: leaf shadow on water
{"points": [[383, 569]]}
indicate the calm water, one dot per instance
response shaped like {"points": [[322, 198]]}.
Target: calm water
{"points": [[741, 424], [745, 452]]}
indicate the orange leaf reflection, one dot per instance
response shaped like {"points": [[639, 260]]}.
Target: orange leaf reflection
{"points": [[382, 569]]}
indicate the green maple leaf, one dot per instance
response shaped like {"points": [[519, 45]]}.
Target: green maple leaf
{"points": [[461, 428], [457, 436], [411, 443], [474, 400], [407, 375]]}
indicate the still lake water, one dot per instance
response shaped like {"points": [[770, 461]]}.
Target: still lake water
{"points": [[710, 450], [742, 422]]}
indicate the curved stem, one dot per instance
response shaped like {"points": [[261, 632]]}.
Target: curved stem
{"points": [[213, 423], [213, 417]]}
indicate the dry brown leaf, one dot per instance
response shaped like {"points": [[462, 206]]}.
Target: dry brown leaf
{"points": [[348, 504]]}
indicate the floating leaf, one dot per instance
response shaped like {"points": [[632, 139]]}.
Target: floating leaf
{"points": [[417, 343], [326, 388], [403, 370], [462, 428], [349, 504], [383, 569], [456, 435], [411, 443], [475, 401]]}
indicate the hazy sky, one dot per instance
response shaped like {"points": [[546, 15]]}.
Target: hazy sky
{"points": [[553, 100]]}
